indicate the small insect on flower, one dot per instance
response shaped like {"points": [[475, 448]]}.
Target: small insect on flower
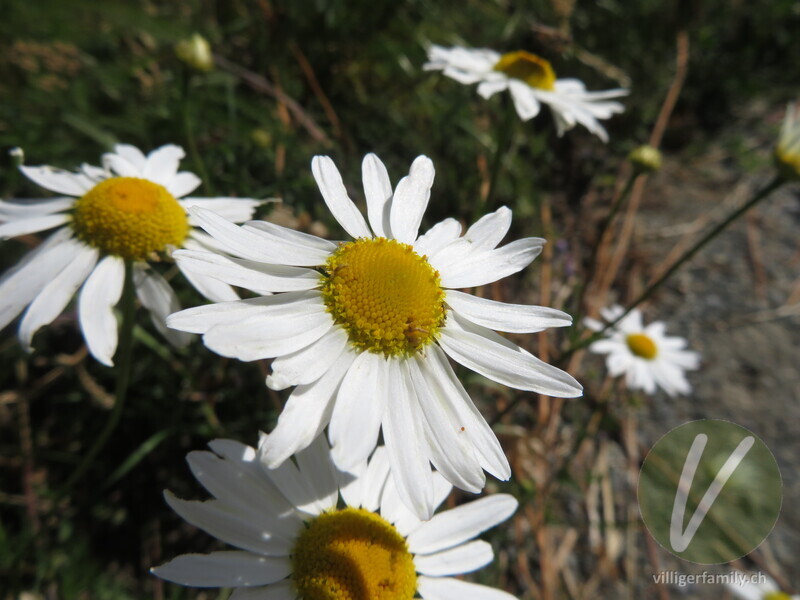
{"points": [[132, 209], [531, 81], [309, 531]]}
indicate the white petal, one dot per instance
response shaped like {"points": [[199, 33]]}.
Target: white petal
{"points": [[450, 451], [411, 199], [525, 101], [437, 237], [55, 296], [269, 334], [278, 245], [235, 484], [310, 363], [359, 409], [20, 284], [364, 490], [25, 209], [282, 590], [202, 319], [96, 174], [398, 514], [488, 231], [492, 356], [316, 466], [160, 300], [514, 318], [162, 164], [248, 274], [481, 268], [31, 225], [444, 382], [378, 193], [402, 432], [305, 495], [183, 183], [132, 154], [447, 588], [58, 180], [487, 89], [333, 191], [296, 240], [453, 527], [305, 415], [247, 530], [213, 289], [461, 559], [224, 569], [121, 166], [237, 210], [96, 303]]}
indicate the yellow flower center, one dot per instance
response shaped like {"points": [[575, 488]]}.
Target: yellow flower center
{"points": [[130, 217], [777, 596], [388, 298], [352, 554], [641, 345], [788, 163], [527, 67]]}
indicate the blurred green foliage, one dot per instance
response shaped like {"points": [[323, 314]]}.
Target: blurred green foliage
{"points": [[77, 76]]}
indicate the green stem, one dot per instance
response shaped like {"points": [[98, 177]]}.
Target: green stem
{"points": [[504, 139], [123, 363], [197, 158], [685, 257]]}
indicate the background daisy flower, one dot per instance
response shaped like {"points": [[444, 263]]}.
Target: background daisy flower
{"points": [[297, 540], [531, 82], [364, 328], [129, 210], [764, 589], [646, 355], [787, 150]]}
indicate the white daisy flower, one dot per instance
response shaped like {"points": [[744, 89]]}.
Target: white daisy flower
{"points": [[132, 208], [758, 586], [646, 355], [363, 328], [531, 81], [297, 540], [787, 150]]}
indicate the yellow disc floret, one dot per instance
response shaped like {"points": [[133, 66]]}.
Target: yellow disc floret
{"points": [[527, 67], [642, 345], [777, 596], [352, 554], [388, 298], [130, 218]]}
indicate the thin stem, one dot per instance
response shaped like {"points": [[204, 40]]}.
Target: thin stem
{"points": [[619, 202], [188, 127], [123, 362], [504, 139], [615, 208], [685, 257]]}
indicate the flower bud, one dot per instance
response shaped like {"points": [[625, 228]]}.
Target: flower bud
{"points": [[645, 159], [195, 52]]}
